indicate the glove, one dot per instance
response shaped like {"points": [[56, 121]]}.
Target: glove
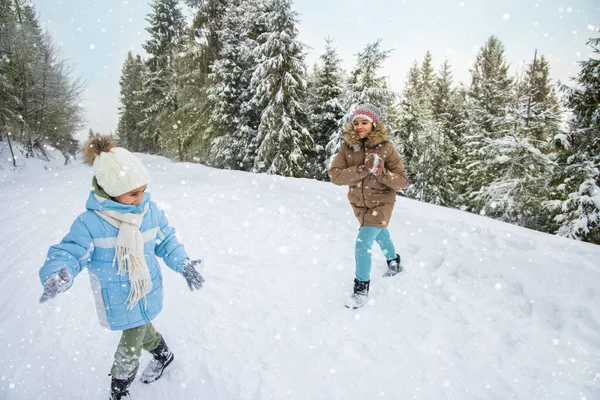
{"points": [[379, 168], [57, 283], [369, 161], [191, 275], [373, 164]]}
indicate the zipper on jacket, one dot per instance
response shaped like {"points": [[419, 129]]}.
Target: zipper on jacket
{"points": [[362, 185], [144, 309]]}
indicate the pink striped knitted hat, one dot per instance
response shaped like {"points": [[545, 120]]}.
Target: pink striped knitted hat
{"points": [[368, 112]]}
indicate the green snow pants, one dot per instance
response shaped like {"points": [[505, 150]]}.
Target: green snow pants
{"points": [[133, 341]]}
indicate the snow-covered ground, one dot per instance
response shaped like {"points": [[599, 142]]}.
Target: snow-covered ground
{"points": [[483, 310]]}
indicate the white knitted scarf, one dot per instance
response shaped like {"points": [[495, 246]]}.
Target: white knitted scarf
{"points": [[129, 252]]}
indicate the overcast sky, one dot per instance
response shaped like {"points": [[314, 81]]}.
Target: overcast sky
{"points": [[96, 35]]}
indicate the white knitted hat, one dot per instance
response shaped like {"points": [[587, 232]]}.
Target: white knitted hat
{"points": [[116, 169]]}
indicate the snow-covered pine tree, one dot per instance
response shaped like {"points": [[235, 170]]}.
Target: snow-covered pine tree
{"points": [[412, 117], [537, 119], [365, 85], [577, 210], [187, 137], [311, 89], [447, 109], [447, 113], [519, 160], [427, 79], [208, 22], [167, 30], [538, 109], [488, 100], [256, 25], [130, 110], [427, 132], [230, 75], [326, 108], [278, 84]]}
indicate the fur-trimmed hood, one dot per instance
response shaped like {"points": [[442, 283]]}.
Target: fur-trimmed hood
{"points": [[376, 137]]}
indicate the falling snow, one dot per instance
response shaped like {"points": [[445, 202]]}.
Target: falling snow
{"points": [[500, 313]]}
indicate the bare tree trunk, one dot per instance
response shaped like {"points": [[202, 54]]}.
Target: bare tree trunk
{"points": [[38, 144], [12, 153]]}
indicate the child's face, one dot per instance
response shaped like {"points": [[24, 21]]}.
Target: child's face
{"points": [[134, 197], [362, 127]]}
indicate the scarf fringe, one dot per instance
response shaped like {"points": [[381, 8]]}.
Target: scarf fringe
{"points": [[139, 277]]}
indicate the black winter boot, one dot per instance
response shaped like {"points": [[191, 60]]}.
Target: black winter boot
{"points": [[118, 388], [162, 357], [360, 296], [393, 267]]}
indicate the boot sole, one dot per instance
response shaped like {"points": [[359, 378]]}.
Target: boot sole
{"points": [[161, 372], [354, 307], [390, 272]]}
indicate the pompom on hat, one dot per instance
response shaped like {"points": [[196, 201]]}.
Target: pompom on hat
{"points": [[116, 169], [369, 112]]}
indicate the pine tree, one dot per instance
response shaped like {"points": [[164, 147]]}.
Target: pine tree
{"points": [[167, 29], [278, 84], [413, 115], [427, 78], [428, 133], [130, 111], [521, 164], [491, 88], [446, 108], [229, 80], [326, 107], [208, 24], [538, 109], [186, 137], [578, 205], [488, 99]]}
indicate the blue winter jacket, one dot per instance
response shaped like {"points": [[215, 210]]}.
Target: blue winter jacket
{"points": [[91, 242]]}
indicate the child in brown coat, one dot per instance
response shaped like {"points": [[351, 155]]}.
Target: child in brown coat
{"points": [[370, 165]]}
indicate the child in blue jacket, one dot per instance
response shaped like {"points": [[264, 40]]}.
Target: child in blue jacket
{"points": [[118, 239]]}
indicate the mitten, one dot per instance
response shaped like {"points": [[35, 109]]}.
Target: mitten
{"points": [[379, 167], [191, 275], [369, 161], [57, 283]]}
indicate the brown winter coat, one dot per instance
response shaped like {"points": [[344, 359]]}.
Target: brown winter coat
{"points": [[371, 197]]}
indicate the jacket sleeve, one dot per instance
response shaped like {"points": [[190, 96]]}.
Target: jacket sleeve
{"points": [[73, 252], [341, 174], [394, 173], [167, 246]]}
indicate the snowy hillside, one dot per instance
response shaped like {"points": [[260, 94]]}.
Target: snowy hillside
{"points": [[483, 310]]}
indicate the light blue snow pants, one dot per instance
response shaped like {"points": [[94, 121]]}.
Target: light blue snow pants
{"points": [[362, 250]]}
